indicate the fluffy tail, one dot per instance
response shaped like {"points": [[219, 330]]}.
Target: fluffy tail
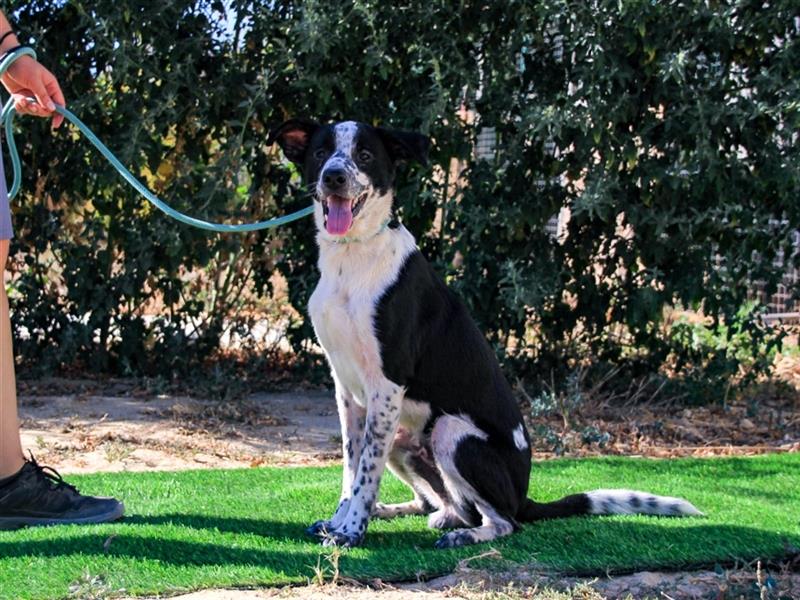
{"points": [[607, 502]]}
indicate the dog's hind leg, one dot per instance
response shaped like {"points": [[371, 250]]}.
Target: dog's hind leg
{"points": [[478, 480], [412, 462]]}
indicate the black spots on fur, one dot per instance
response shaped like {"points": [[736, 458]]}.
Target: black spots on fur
{"points": [[346, 403], [675, 509], [634, 501], [393, 408], [356, 490], [340, 271], [389, 398], [652, 502], [363, 480], [350, 448]]}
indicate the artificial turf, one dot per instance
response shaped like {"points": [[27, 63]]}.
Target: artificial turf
{"points": [[239, 528]]}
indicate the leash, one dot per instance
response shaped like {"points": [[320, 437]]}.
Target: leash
{"points": [[7, 118]]}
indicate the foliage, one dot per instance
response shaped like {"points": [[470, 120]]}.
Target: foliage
{"points": [[668, 130], [708, 356]]}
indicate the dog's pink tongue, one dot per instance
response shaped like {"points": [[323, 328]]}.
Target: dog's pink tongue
{"points": [[340, 215]]}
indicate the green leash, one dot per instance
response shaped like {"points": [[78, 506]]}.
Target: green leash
{"points": [[7, 119]]}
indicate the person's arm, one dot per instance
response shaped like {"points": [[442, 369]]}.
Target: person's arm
{"points": [[27, 78]]}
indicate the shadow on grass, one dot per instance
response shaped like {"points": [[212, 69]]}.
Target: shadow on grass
{"points": [[284, 531], [593, 546], [147, 537], [273, 529], [585, 545], [172, 552]]}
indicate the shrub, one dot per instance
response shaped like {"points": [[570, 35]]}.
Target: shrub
{"points": [[667, 129]]}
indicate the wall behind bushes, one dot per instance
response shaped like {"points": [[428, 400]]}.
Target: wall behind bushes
{"points": [[669, 129]]}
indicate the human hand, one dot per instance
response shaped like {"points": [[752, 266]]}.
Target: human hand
{"points": [[26, 78]]}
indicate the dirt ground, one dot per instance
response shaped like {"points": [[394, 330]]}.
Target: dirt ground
{"points": [[80, 426], [117, 426]]}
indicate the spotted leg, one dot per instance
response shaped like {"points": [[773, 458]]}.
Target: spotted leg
{"points": [[351, 419], [383, 417]]}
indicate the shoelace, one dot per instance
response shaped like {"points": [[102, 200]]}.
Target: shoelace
{"points": [[53, 477]]}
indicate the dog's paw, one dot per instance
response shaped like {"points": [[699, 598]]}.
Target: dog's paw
{"points": [[320, 528], [383, 511], [455, 539], [342, 539]]}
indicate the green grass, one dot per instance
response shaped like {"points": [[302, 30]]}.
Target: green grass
{"points": [[238, 528]]}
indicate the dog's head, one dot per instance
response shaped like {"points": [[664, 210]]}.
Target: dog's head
{"points": [[351, 167]]}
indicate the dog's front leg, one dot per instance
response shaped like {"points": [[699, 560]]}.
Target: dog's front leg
{"points": [[351, 420], [383, 416]]}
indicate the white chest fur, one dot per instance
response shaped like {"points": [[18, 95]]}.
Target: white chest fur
{"points": [[342, 307]]}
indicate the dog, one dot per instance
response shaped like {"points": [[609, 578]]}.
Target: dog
{"points": [[418, 388]]}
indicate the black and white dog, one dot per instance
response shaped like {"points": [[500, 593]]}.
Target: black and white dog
{"points": [[417, 386]]}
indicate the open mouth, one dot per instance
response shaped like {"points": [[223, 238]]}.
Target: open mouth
{"points": [[340, 211]]}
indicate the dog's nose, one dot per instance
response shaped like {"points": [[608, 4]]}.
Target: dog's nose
{"points": [[334, 179]]}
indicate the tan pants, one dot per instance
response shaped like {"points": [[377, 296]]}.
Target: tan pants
{"points": [[11, 457]]}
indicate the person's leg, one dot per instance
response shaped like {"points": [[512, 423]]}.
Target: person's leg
{"points": [[31, 494], [11, 457]]}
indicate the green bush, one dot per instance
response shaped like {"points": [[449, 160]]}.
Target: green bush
{"points": [[669, 130]]}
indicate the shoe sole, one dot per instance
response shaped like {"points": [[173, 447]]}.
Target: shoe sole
{"points": [[8, 523]]}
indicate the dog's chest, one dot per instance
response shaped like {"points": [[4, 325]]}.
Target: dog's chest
{"points": [[342, 308]]}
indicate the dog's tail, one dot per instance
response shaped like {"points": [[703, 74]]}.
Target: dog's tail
{"points": [[607, 502]]}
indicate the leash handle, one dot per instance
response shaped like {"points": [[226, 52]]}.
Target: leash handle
{"points": [[7, 118]]}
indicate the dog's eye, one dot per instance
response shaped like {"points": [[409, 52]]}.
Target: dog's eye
{"points": [[320, 154], [364, 155]]}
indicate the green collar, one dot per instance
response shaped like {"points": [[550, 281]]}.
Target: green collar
{"points": [[350, 240]]}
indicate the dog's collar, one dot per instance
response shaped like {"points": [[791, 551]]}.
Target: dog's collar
{"points": [[388, 223]]}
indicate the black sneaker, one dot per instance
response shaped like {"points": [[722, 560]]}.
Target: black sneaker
{"points": [[38, 495]]}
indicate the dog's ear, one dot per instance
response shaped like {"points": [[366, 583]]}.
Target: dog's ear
{"points": [[405, 145], [293, 137]]}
